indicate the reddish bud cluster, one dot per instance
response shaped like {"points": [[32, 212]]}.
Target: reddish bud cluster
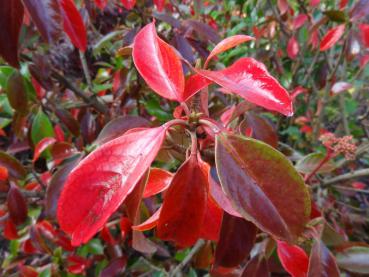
{"points": [[338, 146]]}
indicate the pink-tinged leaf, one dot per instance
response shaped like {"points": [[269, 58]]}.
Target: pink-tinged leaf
{"points": [[159, 64], [341, 87], [73, 24], [11, 18], [293, 258], [314, 3], [46, 16], [104, 179], [150, 223], [293, 48], [226, 44], [250, 79], [17, 205], [115, 267], [237, 238], [160, 4], [128, 4], [364, 28], [194, 84], [210, 228], [299, 21], [254, 176], [159, 180], [322, 262], [256, 267], [332, 37], [41, 146], [101, 4], [282, 6], [184, 207]]}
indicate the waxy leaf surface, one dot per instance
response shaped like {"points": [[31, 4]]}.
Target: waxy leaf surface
{"points": [[332, 37], [73, 24], [159, 64], [101, 182], [159, 180], [262, 185], [293, 258], [322, 262], [11, 18], [226, 44], [184, 206], [250, 79], [46, 16]]}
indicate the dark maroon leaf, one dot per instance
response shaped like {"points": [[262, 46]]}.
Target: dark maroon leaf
{"points": [[256, 267], [11, 18], [46, 16], [69, 121], [15, 168], [17, 93], [322, 262], [237, 237], [116, 267], [203, 30], [17, 205]]}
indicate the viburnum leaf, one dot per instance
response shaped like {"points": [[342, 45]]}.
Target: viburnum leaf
{"points": [[46, 16], [149, 223], [194, 84], [293, 258], [226, 44], [41, 146], [262, 185], [17, 93], [159, 64], [364, 29], [237, 237], [160, 4], [331, 37], [322, 262], [210, 228], [299, 21], [73, 24], [256, 267], [250, 79], [14, 167], [17, 205], [184, 205], [128, 4], [101, 4], [159, 180], [293, 48], [11, 18], [101, 182]]}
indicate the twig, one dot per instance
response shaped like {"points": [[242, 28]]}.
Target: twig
{"points": [[25, 193], [200, 243], [344, 177], [86, 72], [153, 267]]}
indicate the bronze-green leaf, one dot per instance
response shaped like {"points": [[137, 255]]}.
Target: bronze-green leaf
{"points": [[17, 94], [262, 185]]}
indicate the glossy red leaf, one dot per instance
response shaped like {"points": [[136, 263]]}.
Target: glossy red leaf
{"points": [[159, 64], [332, 37], [11, 18], [128, 4], [256, 267], [4, 173], [159, 180], [250, 79], [160, 4], [184, 207], [293, 258], [210, 228], [73, 24], [46, 16], [254, 176], [150, 223], [101, 182], [293, 48], [41, 146], [226, 44], [101, 4], [364, 29], [10, 230], [299, 21], [237, 238], [322, 262], [194, 84], [17, 205]]}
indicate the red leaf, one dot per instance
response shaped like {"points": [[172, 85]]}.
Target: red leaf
{"points": [[128, 4], [299, 21], [115, 267], [184, 206], [364, 28], [343, 4], [11, 18], [210, 228], [282, 6], [322, 262], [194, 84], [10, 230], [150, 223], [314, 3], [159, 64], [256, 267], [104, 179], [293, 48], [4, 173], [73, 24], [237, 238], [101, 4], [160, 4], [159, 180], [250, 79], [331, 37], [226, 44], [41, 146], [46, 16], [293, 258], [17, 205]]}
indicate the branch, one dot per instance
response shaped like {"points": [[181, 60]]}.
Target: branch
{"points": [[344, 177]]}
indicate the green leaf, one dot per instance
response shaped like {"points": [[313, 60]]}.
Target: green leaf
{"points": [[153, 108], [354, 259], [262, 185], [309, 162], [41, 127]]}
